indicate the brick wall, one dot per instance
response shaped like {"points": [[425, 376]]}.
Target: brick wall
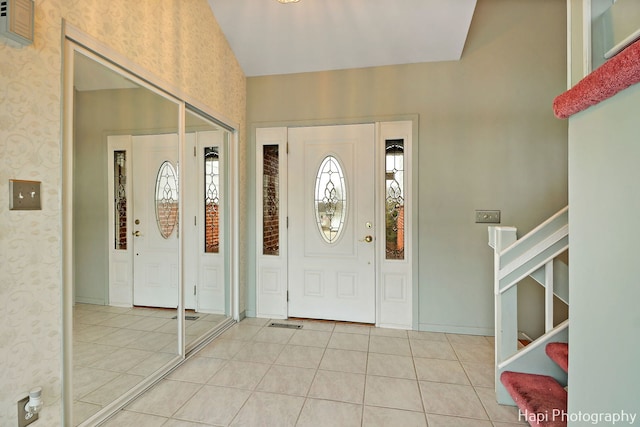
{"points": [[212, 228], [167, 218]]}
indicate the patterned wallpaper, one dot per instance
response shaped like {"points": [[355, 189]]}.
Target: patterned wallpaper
{"points": [[177, 40]]}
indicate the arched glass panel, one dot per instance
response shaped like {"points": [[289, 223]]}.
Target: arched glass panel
{"points": [[330, 199], [167, 199]]}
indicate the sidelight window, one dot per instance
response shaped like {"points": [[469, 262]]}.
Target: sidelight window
{"points": [[270, 200], [212, 199], [394, 199], [120, 198]]}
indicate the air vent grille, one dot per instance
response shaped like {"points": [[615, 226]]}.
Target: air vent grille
{"points": [[285, 325], [16, 20]]}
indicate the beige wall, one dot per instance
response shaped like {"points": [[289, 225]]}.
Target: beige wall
{"points": [[487, 140], [178, 41]]}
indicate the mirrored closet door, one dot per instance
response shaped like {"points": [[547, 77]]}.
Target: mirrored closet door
{"points": [[150, 246]]}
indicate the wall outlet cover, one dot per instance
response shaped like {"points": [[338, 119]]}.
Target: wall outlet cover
{"points": [[22, 414]]}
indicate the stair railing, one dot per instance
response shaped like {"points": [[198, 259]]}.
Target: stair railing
{"points": [[514, 259]]}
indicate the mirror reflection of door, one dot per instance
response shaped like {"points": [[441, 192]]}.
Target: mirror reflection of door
{"points": [[115, 345], [155, 227], [119, 343]]}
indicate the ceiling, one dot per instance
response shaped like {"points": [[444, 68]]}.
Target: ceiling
{"points": [[316, 35]]}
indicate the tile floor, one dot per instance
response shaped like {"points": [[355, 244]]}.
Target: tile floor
{"points": [[114, 348], [327, 374]]}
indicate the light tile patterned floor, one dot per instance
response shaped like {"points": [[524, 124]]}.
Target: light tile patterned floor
{"points": [[327, 374], [114, 348]]}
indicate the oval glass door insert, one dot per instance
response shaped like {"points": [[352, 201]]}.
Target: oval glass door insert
{"points": [[330, 199], [166, 199]]}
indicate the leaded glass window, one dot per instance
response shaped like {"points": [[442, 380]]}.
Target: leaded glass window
{"points": [[166, 199], [212, 199], [120, 199], [394, 199], [270, 200], [330, 199]]}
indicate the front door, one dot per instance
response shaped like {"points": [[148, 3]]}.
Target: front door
{"points": [[155, 220], [331, 273]]}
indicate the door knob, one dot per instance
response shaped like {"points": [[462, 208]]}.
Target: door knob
{"points": [[137, 233], [368, 239]]}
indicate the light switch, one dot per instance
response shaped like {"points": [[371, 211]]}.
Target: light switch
{"points": [[24, 195], [489, 217]]}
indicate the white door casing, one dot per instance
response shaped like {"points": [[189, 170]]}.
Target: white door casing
{"points": [[120, 258], [211, 288], [393, 275], [271, 259], [332, 279]]}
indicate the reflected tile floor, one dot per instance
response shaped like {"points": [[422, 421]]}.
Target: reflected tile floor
{"points": [[327, 374], [114, 348]]}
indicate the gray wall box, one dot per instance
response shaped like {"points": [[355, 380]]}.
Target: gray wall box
{"points": [[16, 20]]}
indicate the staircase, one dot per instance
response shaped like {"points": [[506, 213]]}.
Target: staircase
{"points": [[532, 377], [541, 399]]}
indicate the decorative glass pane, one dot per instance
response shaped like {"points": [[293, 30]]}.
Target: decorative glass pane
{"points": [[166, 199], [211, 200], [330, 199], [120, 199], [394, 199], [270, 201]]}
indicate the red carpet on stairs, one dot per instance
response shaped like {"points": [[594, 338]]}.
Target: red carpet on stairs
{"points": [[559, 353], [542, 401]]}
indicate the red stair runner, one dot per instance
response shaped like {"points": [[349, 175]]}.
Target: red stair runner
{"points": [[542, 401], [559, 353]]}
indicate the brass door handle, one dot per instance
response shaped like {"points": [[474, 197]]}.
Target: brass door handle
{"points": [[368, 239], [137, 233]]}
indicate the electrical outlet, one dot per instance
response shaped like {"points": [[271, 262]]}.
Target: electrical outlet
{"points": [[22, 414], [488, 217]]}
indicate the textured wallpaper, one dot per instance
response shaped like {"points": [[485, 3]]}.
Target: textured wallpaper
{"points": [[177, 40]]}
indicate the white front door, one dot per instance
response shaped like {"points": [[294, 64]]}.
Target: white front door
{"points": [[155, 220], [331, 245]]}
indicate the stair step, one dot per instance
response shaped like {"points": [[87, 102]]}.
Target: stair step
{"points": [[559, 353], [542, 401]]}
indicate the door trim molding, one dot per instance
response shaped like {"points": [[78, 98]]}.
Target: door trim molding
{"points": [[401, 313], [271, 269]]}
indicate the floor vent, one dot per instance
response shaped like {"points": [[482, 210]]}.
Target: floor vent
{"points": [[285, 325], [188, 317]]}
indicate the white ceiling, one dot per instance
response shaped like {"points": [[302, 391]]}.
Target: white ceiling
{"points": [[315, 35]]}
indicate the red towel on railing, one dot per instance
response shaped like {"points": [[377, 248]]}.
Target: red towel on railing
{"points": [[616, 74]]}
